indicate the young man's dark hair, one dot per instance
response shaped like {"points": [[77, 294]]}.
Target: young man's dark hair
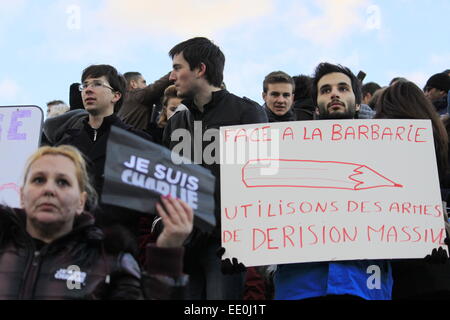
{"points": [[278, 77], [397, 79], [201, 50], [440, 81], [327, 68], [115, 79], [303, 85], [370, 87], [131, 76]]}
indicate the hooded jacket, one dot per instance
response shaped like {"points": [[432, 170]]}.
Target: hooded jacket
{"points": [[31, 269], [79, 265]]}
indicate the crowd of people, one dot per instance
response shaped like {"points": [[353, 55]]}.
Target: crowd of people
{"points": [[123, 254]]}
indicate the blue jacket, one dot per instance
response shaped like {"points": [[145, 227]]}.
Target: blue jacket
{"points": [[358, 278]]}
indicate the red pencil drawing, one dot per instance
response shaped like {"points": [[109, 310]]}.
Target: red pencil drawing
{"points": [[8, 186], [313, 174]]}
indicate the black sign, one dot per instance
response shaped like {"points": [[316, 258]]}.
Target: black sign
{"points": [[138, 172]]}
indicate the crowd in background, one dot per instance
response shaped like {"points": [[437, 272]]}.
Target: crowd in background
{"points": [[123, 254]]}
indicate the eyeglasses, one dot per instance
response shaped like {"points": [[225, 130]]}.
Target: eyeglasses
{"points": [[95, 84]]}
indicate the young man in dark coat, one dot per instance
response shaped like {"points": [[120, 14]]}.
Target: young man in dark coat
{"points": [[278, 95], [198, 66], [102, 91]]}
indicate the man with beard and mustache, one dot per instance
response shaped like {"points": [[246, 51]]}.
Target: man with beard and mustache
{"points": [[337, 94], [198, 66]]}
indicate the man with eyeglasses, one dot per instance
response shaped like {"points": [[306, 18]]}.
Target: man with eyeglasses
{"points": [[102, 91]]}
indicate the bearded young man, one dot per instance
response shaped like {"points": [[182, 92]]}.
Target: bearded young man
{"points": [[337, 94]]}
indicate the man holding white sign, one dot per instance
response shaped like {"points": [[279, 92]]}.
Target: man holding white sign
{"points": [[317, 212], [338, 96]]}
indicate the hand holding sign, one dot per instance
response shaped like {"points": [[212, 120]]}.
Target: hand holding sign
{"points": [[228, 266], [177, 218]]}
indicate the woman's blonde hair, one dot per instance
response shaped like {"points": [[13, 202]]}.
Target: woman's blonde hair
{"points": [[80, 168]]}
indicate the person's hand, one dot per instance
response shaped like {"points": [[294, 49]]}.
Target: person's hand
{"points": [[438, 256], [230, 266], [177, 217]]}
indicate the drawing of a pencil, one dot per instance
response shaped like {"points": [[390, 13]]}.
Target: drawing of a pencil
{"points": [[314, 174]]}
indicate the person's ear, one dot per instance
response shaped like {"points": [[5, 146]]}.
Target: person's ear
{"points": [[82, 203], [317, 111], [357, 107], [264, 95], [117, 96], [201, 70]]}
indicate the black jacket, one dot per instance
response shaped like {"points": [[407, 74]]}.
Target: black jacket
{"points": [[73, 129], [304, 109], [225, 109], [288, 116], [31, 269]]}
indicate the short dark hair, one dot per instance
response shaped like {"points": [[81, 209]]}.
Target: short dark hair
{"points": [[202, 50], [132, 76], [398, 79], [278, 77], [55, 102], [370, 87], [115, 79], [325, 68], [303, 86], [440, 81]]}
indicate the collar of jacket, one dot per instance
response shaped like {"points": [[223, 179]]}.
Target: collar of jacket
{"points": [[288, 116], [106, 124], [216, 97], [83, 223]]}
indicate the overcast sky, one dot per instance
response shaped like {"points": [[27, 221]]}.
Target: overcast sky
{"points": [[45, 44]]}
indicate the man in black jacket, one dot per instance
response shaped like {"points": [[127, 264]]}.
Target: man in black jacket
{"points": [[102, 90], [198, 66]]}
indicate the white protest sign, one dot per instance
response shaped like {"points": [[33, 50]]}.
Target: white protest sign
{"points": [[332, 190], [20, 131]]}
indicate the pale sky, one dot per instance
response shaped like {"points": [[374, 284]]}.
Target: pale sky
{"points": [[45, 44]]}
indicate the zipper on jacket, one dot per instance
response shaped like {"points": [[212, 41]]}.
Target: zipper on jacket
{"points": [[95, 135], [31, 276]]}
